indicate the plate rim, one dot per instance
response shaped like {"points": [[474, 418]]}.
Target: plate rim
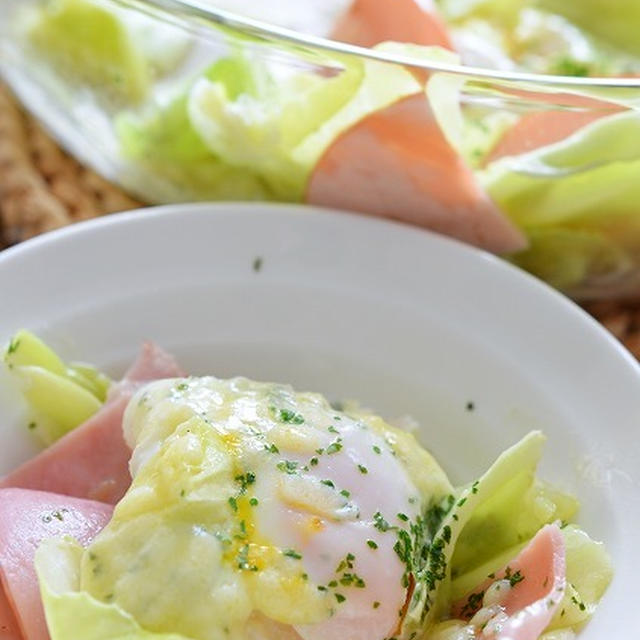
{"points": [[502, 267]]}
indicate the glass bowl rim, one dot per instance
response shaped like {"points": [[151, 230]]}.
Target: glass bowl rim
{"points": [[201, 9]]}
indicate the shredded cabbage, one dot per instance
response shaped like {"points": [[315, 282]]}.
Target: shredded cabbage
{"points": [[61, 396], [616, 21], [118, 52], [433, 585], [589, 573], [73, 614], [487, 525], [577, 200], [565, 37]]}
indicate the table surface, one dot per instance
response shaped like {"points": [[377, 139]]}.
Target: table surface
{"points": [[43, 188]]}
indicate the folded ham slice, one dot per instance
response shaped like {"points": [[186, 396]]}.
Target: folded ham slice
{"points": [[549, 125], [396, 163], [92, 461], [369, 22], [26, 519], [9, 629], [537, 576]]}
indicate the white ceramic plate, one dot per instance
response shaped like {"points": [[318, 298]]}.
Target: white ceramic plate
{"points": [[403, 320]]}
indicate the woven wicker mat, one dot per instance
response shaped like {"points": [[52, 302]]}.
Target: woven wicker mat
{"points": [[42, 188]]}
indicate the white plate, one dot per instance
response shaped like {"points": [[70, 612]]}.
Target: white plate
{"points": [[403, 320]]}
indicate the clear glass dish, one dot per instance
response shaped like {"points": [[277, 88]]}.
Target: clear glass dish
{"points": [[177, 101]]}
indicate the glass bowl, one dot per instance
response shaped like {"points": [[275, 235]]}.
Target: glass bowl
{"points": [[176, 101]]}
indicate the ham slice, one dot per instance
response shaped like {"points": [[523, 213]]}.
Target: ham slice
{"points": [[396, 163], [548, 125], [92, 461], [540, 129], [538, 578], [9, 629], [369, 22], [26, 519], [152, 363]]}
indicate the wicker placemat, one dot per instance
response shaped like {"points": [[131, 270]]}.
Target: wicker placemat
{"points": [[42, 188]]}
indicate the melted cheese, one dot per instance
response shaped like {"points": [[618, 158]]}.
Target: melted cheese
{"points": [[251, 500]]}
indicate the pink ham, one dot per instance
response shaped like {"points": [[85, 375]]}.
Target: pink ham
{"points": [[549, 125], [26, 519], [153, 363], [540, 129], [9, 629], [93, 460], [369, 22], [396, 163], [530, 603]]}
